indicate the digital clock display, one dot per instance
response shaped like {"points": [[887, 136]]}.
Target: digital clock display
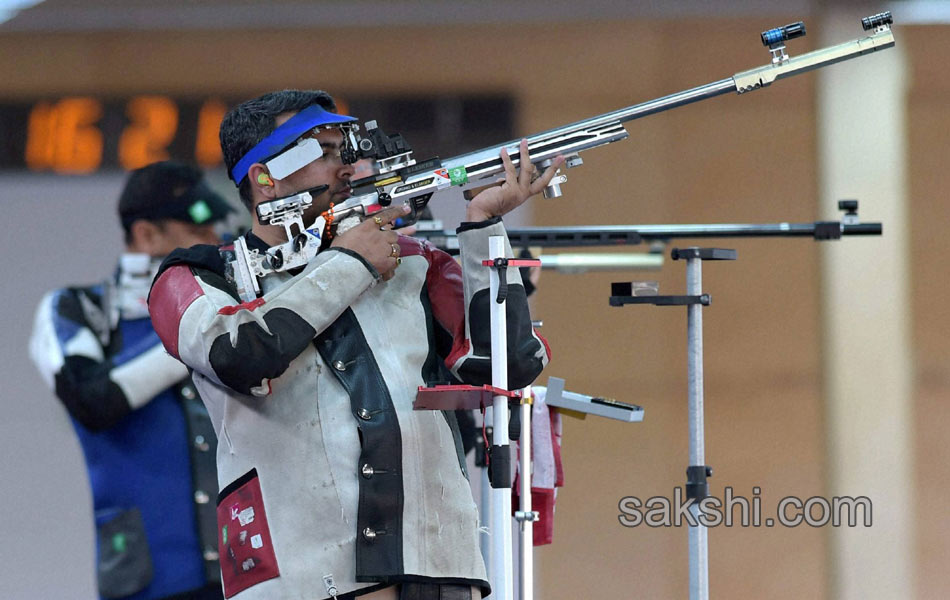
{"points": [[83, 134]]}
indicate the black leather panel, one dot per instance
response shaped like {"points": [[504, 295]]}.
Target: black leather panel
{"points": [[379, 518], [257, 354], [523, 365], [202, 449]]}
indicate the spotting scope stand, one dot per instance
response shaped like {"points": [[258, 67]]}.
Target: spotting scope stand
{"points": [[697, 488]]}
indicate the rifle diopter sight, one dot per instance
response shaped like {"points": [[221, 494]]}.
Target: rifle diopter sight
{"points": [[877, 22], [775, 39], [390, 152]]}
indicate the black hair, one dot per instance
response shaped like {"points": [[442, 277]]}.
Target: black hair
{"points": [[252, 121]]}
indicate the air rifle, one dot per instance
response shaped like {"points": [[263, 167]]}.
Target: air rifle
{"points": [[398, 177], [629, 235], [401, 179]]}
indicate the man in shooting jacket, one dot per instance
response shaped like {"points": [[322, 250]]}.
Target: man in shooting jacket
{"points": [[146, 437], [331, 485]]}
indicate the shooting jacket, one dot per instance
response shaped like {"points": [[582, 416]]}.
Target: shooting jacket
{"points": [[147, 439], [330, 482]]}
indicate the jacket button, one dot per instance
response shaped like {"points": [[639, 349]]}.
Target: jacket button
{"points": [[367, 471], [210, 554], [369, 534], [201, 444], [188, 392], [339, 365], [201, 497], [364, 414]]}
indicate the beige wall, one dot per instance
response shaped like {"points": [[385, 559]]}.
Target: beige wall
{"points": [[731, 159]]}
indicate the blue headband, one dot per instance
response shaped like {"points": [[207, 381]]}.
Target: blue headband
{"points": [[285, 135]]}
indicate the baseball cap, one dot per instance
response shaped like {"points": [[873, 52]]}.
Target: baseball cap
{"points": [[170, 190]]}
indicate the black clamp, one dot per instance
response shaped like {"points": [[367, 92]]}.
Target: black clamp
{"points": [[703, 253], [496, 458], [499, 466], [482, 444], [827, 230], [502, 265], [621, 293], [696, 486], [514, 420]]}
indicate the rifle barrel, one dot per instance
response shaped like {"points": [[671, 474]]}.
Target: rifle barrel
{"points": [[608, 127], [607, 235]]}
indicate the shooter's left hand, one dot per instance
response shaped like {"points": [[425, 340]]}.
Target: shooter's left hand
{"points": [[515, 188]]}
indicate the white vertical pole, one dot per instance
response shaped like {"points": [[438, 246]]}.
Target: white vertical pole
{"points": [[484, 506], [527, 522], [501, 581], [867, 352]]}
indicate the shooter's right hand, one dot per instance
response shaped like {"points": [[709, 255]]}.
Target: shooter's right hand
{"points": [[375, 240]]}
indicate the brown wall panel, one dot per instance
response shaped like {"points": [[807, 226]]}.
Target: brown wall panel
{"points": [[929, 176]]}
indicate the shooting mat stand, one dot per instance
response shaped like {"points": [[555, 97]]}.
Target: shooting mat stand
{"points": [[473, 397]]}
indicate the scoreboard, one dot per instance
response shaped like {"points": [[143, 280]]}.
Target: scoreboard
{"points": [[83, 134]]}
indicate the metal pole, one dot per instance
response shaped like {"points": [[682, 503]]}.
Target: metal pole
{"points": [[502, 588], [579, 236], [485, 512], [698, 541], [527, 520], [606, 235]]}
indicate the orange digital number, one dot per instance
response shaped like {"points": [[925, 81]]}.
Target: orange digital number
{"points": [[152, 127], [207, 144], [63, 136]]}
